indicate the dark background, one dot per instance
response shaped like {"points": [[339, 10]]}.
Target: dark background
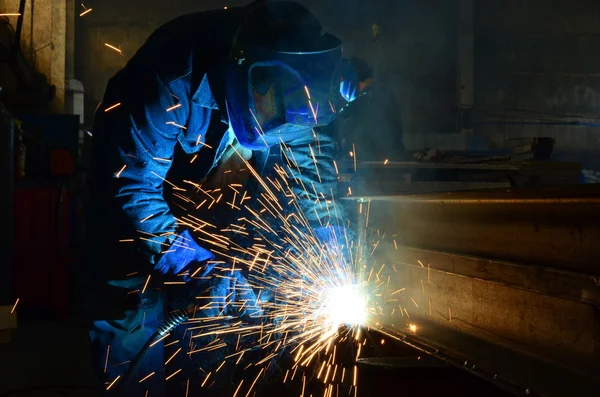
{"points": [[533, 60]]}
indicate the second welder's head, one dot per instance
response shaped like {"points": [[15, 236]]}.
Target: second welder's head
{"points": [[283, 75]]}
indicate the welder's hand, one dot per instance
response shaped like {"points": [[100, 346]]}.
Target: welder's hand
{"points": [[228, 295], [335, 238], [185, 254]]}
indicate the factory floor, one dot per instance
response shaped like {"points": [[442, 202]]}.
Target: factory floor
{"points": [[46, 358], [44, 354]]}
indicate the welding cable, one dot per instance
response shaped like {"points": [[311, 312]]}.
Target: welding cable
{"points": [[174, 319]]}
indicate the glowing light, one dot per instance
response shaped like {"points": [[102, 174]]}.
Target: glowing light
{"points": [[307, 290], [346, 305], [108, 109], [112, 47], [146, 377], [413, 328], [14, 306], [113, 382], [85, 12]]}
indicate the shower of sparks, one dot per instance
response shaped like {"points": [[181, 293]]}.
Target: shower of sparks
{"points": [[301, 298], [112, 47], [113, 382], [14, 306], [108, 109], [85, 12], [176, 125], [118, 174]]}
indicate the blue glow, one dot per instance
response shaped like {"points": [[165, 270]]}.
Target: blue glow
{"points": [[348, 90]]}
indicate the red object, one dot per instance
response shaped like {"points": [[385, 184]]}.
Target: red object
{"points": [[20, 155], [61, 163], [42, 249]]}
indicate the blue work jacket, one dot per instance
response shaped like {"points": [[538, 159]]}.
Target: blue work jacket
{"points": [[162, 109]]}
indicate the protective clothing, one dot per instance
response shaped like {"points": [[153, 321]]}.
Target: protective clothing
{"points": [[178, 257], [283, 77], [164, 121]]}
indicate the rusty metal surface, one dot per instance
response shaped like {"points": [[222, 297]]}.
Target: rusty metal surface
{"points": [[362, 188], [401, 178], [510, 370], [508, 280], [581, 194], [500, 166], [552, 233], [575, 286]]}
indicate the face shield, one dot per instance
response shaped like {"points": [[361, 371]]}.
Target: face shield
{"points": [[279, 96]]}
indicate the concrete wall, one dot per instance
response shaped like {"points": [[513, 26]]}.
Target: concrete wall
{"points": [[414, 54], [44, 40], [529, 54], [126, 25], [541, 58]]}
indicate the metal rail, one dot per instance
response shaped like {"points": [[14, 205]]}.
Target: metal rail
{"points": [[565, 284], [507, 281]]}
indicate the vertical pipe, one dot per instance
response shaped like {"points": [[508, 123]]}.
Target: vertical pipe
{"points": [[465, 48], [7, 201], [70, 41], [17, 45]]}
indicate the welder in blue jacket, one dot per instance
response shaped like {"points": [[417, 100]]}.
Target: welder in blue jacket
{"points": [[204, 92]]}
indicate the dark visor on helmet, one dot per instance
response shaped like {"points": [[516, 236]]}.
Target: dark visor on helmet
{"points": [[293, 92]]}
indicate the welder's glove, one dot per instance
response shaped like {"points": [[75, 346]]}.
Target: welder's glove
{"points": [[336, 239], [184, 253], [228, 295]]}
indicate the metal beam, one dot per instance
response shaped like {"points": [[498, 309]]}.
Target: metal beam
{"points": [[506, 280], [575, 286]]}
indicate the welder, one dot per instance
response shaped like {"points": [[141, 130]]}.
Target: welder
{"points": [[205, 94], [371, 122]]}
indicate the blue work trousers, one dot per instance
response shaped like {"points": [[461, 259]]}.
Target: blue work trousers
{"points": [[115, 344]]}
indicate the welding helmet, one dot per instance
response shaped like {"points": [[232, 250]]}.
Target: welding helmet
{"points": [[283, 75]]}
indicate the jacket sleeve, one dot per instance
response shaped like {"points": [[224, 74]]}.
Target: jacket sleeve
{"points": [[314, 178], [149, 121]]}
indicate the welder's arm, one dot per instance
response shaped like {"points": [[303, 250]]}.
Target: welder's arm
{"points": [[146, 147], [314, 179]]}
